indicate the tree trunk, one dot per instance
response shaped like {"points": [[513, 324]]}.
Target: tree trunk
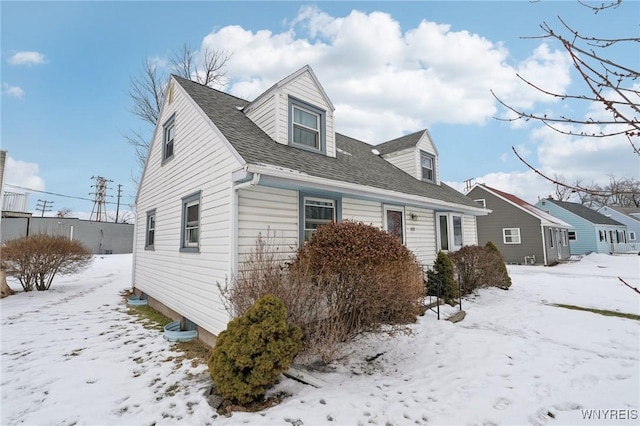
{"points": [[5, 290]]}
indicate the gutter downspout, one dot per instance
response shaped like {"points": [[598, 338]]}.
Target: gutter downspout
{"points": [[233, 240], [544, 245], [134, 248]]}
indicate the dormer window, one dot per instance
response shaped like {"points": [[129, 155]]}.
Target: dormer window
{"points": [[306, 126], [427, 162]]}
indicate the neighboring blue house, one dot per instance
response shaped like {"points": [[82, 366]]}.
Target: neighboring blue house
{"points": [[593, 231], [627, 216]]}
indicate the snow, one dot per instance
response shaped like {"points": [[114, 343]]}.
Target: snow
{"points": [[73, 355]]}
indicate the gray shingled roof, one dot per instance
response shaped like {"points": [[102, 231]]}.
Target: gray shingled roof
{"points": [[398, 144], [627, 211], [355, 164], [585, 213]]}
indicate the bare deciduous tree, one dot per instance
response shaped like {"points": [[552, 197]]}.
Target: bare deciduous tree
{"points": [[620, 192], [147, 90], [609, 83], [64, 212]]}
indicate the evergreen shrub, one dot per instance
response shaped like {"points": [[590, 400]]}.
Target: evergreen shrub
{"points": [[253, 351], [443, 271]]}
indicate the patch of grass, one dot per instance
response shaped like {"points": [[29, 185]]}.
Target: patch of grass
{"points": [[172, 390], [599, 311], [151, 318], [195, 350]]}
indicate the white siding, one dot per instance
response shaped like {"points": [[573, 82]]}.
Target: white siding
{"points": [[367, 212], [305, 89], [469, 230], [264, 115], [186, 282], [406, 160], [421, 234], [420, 231], [269, 212]]}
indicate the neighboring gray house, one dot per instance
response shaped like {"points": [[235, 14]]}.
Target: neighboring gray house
{"points": [[222, 171], [522, 232], [99, 237], [629, 216], [593, 231]]}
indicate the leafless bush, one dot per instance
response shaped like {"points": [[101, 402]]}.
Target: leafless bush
{"points": [[35, 260], [348, 279], [479, 267]]}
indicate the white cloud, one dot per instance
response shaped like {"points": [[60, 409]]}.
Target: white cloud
{"points": [[27, 58], [385, 80], [526, 185], [14, 91], [23, 174]]}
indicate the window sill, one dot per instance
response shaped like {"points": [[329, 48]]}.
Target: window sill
{"points": [[190, 249]]}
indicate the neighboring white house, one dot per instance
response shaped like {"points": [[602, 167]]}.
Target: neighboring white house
{"points": [[630, 217], [221, 171]]}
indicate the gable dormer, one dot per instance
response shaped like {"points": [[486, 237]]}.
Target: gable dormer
{"points": [[415, 154], [297, 112]]}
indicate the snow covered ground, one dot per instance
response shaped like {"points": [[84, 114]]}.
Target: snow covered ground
{"points": [[74, 356]]}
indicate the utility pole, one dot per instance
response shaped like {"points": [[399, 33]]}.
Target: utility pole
{"points": [[99, 202], [44, 206], [118, 205]]}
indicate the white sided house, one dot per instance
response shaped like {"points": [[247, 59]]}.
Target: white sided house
{"points": [[222, 171]]}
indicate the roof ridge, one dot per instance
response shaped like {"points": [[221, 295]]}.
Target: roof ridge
{"points": [[208, 87]]}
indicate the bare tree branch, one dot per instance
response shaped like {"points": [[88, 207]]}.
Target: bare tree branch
{"points": [[608, 83], [147, 90]]}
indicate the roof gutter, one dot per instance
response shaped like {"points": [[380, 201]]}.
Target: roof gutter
{"points": [[275, 175]]}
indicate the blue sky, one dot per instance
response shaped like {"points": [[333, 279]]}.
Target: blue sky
{"points": [[66, 68]]}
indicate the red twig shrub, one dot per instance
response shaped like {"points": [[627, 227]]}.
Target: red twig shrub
{"points": [[479, 267], [37, 259], [366, 279]]}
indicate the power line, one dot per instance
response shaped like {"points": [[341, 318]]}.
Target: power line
{"points": [[53, 193]]}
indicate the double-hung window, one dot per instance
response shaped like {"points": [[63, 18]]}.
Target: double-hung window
{"points": [[191, 223], [306, 124], [573, 236], [168, 138], [511, 235], [427, 162], [394, 222], [151, 230], [317, 212]]}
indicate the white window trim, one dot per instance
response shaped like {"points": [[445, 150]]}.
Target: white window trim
{"points": [[575, 236], [450, 231], [400, 209], [482, 202], [303, 216], [504, 236], [632, 235]]}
